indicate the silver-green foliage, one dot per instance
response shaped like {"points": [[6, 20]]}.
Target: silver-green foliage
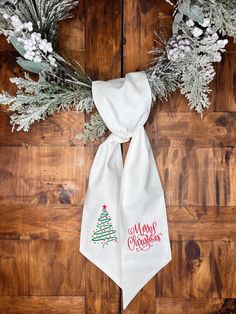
{"points": [[65, 88], [36, 100], [94, 129], [44, 14], [193, 73], [222, 14], [187, 8], [197, 74], [69, 88], [163, 77]]}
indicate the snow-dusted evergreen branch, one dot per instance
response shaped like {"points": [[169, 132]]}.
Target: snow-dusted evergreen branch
{"points": [[94, 129], [195, 80], [162, 77], [43, 14], [31, 26], [187, 61], [222, 14], [36, 100]]}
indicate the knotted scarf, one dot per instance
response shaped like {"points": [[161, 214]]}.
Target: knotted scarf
{"points": [[124, 226]]}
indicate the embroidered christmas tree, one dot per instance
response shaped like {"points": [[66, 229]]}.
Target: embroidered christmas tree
{"points": [[104, 232]]}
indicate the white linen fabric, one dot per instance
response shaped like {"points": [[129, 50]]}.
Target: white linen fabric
{"points": [[124, 226]]}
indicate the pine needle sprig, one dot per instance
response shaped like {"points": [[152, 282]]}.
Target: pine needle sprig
{"points": [[94, 129], [222, 14], [44, 14], [36, 100], [68, 73], [197, 73], [162, 77]]}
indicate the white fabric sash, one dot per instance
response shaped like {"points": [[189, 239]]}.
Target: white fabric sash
{"points": [[124, 227]]}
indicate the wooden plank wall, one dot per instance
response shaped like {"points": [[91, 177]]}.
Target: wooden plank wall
{"points": [[43, 176]]}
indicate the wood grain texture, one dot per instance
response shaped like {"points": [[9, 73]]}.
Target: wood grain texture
{"points": [[193, 176], [140, 22], [14, 268], [190, 273], [226, 94], [202, 231], [199, 269], [103, 57], [60, 129], [20, 222], [102, 294], [42, 304], [44, 173], [193, 306], [8, 69], [188, 214], [59, 266], [218, 129], [102, 61], [224, 265], [34, 216]]}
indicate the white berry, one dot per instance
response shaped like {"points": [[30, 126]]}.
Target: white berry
{"points": [[197, 32], [6, 16], [190, 23], [206, 22]]}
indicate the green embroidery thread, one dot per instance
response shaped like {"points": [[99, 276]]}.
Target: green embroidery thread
{"points": [[104, 233]]}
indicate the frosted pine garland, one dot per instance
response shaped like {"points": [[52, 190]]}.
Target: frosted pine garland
{"points": [[186, 62], [192, 49]]}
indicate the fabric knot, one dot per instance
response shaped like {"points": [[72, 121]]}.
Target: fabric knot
{"points": [[124, 104], [124, 136]]}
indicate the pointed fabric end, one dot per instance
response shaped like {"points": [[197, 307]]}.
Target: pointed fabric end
{"points": [[128, 297]]}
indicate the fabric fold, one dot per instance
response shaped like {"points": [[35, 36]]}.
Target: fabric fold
{"points": [[124, 226]]}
